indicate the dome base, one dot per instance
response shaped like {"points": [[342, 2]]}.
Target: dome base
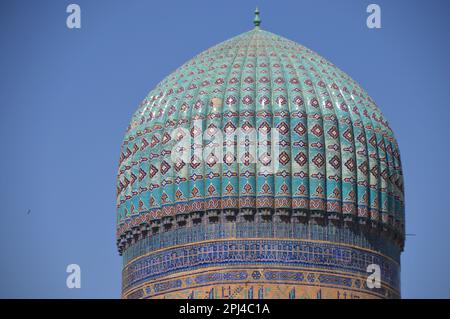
{"points": [[258, 269]]}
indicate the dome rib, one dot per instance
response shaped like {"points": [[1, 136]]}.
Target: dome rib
{"points": [[249, 200], [345, 101], [266, 101], [302, 113], [316, 97], [362, 159], [224, 153]]}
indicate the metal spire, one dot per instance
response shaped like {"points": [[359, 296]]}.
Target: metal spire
{"points": [[257, 20]]}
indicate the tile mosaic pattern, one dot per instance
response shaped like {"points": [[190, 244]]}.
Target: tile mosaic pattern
{"points": [[337, 152], [303, 219], [260, 262]]}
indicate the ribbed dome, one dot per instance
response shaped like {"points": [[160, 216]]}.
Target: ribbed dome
{"points": [[336, 158]]}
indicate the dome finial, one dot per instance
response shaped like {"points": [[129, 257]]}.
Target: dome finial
{"points": [[257, 20]]}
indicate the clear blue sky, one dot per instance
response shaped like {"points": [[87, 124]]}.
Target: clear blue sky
{"points": [[66, 97]]}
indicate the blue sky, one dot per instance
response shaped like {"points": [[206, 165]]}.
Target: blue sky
{"points": [[66, 97]]}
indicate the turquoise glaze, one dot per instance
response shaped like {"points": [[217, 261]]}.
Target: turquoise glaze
{"points": [[337, 157]]}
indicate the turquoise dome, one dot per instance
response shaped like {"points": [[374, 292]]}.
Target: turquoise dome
{"points": [[329, 154]]}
